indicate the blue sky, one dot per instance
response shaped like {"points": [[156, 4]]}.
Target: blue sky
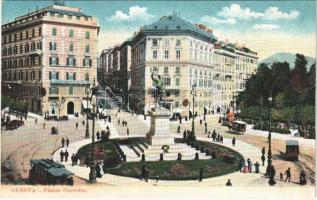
{"points": [[290, 23]]}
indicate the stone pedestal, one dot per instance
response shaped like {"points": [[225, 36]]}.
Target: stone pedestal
{"points": [[159, 129]]}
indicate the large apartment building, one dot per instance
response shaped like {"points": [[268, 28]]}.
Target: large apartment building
{"points": [[184, 55], [49, 57]]}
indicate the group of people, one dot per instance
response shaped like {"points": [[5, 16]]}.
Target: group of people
{"points": [[216, 137], [124, 123], [64, 155], [105, 134], [247, 167], [145, 172]]}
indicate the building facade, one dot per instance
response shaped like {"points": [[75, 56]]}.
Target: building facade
{"points": [[49, 58], [184, 55]]}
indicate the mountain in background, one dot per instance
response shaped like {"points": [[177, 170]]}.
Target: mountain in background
{"points": [[288, 57]]}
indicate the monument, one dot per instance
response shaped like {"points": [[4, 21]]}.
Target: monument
{"points": [[159, 133], [161, 144]]}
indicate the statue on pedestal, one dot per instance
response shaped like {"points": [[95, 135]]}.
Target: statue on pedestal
{"points": [[159, 92]]}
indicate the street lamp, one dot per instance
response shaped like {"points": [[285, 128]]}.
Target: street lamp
{"points": [[87, 122], [193, 92], [269, 154], [94, 100]]}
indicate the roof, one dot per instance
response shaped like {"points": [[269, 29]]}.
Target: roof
{"points": [[54, 168], [292, 143], [173, 23], [239, 122], [67, 12]]}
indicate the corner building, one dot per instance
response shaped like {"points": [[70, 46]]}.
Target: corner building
{"points": [[53, 49], [182, 54]]}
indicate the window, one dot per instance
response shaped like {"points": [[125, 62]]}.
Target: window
{"points": [[54, 32], [53, 46], [26, 34], [71, 61], [70, 90], [178, 42], [178, 54], [154, 43], [87, 49], [40, 31], [177, 81], [52, 14], [53, 61], [177, 94], [177, 70], [78, 17], [166, 54], [53, 75], [165, 69], [60, 16], [33, 32], [87, 36], [167, 81], [70, 17], [154, 54], [166, 42], [86, 18], [87, 77], [71, 47], [176, 104], [87, 62], [53, 90], [71, 33]]}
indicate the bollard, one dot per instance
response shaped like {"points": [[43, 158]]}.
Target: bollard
{"points": [[161, 156], [179, 156], [196, 156], [143, 157]]}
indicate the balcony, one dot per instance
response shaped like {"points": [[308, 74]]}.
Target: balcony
{"points": [[71, 82], [35, 52]]}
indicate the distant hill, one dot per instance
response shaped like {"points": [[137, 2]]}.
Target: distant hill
{"points": [[288, 57]]}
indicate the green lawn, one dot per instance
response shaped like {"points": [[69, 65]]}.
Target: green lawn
{"points": [[167, 170]]}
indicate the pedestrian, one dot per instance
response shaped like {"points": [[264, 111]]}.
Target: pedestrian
{"points": [[119, 122], [200, 174], [122, 122], [98, 135], [208, 136], [263, 159], [249, 164], [201, 121], [146, 175], [67, 142], [44, 125], [63, 142], [281, 176], [76, 125], [241, 165], [302, 178], [35, 120], [83, 122], [288, 175], [128, 132], [98, 170], [257, 167], [218, 138], [234, 141], [62, 155], [204, 117], [206, 128], [66, 155], [180, 119], [143, 172], [109, 119], [73, 159], [221, 139], [228, 183], [178, 129], [126, 123], [263, 150]]}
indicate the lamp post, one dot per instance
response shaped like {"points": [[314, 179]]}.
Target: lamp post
{"points": [[94, 100], [269, 153], [87, 121], [193, 121]]}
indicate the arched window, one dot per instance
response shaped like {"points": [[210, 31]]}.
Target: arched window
{"points": [[71, 47], [87, 76]]}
